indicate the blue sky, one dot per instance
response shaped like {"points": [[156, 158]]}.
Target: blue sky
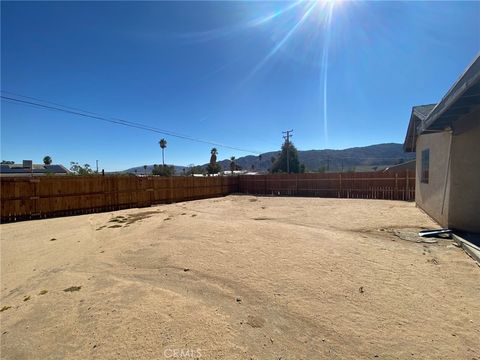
{"points": [[235, 73]]}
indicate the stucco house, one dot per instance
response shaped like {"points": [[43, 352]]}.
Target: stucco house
{"points": [[446, 139]]}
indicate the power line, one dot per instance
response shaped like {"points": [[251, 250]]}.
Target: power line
{"points": [[49, 102], [88, 114], [97, 116]]}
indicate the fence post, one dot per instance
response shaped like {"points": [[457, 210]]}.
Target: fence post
{"points": [[151, 196], [106, 203], [34, 198], [396, 187], [340, 179], [407, 190], [352, 194]]}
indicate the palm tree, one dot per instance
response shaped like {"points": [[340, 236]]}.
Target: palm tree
{"points": [[163, 145], [47, 160], [213, 156], [145, 169], [232, 163], [213, 167]]}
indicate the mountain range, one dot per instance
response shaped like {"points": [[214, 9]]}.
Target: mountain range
{"points": [[367, 158]]}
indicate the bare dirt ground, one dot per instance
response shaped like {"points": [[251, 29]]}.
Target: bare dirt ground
{"points": [[237, 278]]}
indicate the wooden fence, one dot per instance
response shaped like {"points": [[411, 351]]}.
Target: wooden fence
{"points": [[367, 185], [36, 197]]}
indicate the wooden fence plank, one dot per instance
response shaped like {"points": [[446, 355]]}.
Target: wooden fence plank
{"points": [[24, 198], [372, 185]]}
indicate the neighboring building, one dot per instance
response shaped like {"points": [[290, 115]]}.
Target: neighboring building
{"points": [[407, 165], [362, 168], [27, 168], [446, 139], [234, 172], [238, 172]]}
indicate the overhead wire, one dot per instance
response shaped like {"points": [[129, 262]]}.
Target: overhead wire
{"points": [[88, 114], [40, 103]]}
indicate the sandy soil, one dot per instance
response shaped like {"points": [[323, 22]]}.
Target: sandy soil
{"points": [[237, 278]]}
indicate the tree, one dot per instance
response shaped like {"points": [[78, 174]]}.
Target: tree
{"points": [[273, 159], [163, 170], [145, 169], [232, 164], [77, 169], [213, 155], [47, 160], [7, 162], [213, 167], [163, 145], [280, 164]]}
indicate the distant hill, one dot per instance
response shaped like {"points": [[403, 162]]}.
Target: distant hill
{"points": [[359, 158], [367, 158]]}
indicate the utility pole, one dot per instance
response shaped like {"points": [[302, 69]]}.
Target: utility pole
{"points": [[328, 163], [97, 165], [287, 137]]}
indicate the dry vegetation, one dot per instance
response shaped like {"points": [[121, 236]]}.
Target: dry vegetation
{"points": [[238, 278]]}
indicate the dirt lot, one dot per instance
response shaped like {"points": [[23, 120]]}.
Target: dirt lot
{"points": [[237, 278]]}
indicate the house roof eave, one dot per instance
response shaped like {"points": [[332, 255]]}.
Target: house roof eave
{"points": [[440, 118]]}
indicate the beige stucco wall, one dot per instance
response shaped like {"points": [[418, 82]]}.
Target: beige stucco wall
{"points": [[464, 207], [430, 197]]}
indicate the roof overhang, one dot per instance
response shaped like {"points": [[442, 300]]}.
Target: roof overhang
{"points": [[462, 98], [418, 115], [411, 138]]}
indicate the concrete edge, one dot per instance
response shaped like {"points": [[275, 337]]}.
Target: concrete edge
{"points": [[472, 250]]}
